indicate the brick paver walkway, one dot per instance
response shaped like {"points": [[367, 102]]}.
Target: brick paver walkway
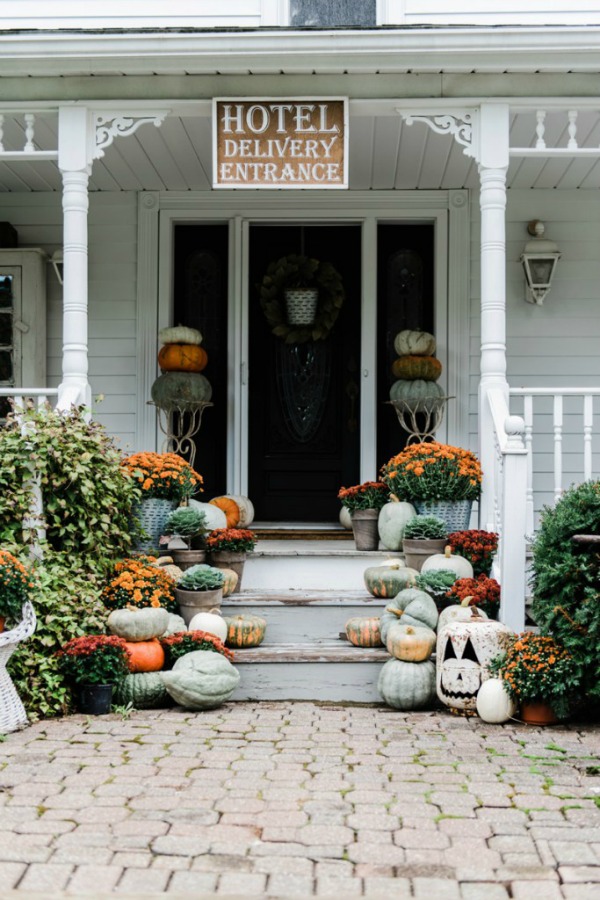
{"points": [[300, 799]]}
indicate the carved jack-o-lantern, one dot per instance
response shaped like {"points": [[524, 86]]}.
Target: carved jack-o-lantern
{"points": [[462, 653]]}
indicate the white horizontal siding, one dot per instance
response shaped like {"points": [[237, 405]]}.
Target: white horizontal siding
{"points": [[554, 345], [112, 296], [492, 12], [128, 13]]}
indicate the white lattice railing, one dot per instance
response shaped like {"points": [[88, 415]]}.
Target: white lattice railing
{"points": [[506, 484], [559, 435]]}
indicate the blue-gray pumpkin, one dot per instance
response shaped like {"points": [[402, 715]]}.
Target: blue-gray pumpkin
{"points": [[407, 685], [410, 607], [201, 680]]}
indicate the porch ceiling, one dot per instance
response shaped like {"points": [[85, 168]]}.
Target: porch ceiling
{"points": [[384, 154]]}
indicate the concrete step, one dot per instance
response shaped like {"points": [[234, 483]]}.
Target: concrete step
{"points": [[303, 615], [310, 565], [334, 671]]}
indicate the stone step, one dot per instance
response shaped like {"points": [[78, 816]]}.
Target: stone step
{"points": [[334, 671], [303, 615], [309, 565]]}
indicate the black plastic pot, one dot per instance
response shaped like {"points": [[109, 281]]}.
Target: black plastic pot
{"points": [[94, 699]]}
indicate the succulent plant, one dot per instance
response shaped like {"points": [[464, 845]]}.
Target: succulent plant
{"points": [[425, 528], [186, 522], [201, 578]]}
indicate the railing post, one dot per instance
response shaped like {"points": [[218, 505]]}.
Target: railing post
{"points": [[513, 543]]}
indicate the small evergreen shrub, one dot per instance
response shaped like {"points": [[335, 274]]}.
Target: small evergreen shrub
{"points": [[566, 581]]}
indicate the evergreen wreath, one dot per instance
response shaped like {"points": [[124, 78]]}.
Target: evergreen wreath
{"points": [[296, 271]]}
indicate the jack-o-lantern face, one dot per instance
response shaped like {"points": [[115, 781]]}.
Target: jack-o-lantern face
{"points": [[463, 650]]}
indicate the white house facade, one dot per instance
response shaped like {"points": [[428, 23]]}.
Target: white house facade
{"points": [[461, 130]]}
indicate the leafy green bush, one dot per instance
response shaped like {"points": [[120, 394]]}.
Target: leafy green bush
{"points": [[566, 580], [87, 502]]}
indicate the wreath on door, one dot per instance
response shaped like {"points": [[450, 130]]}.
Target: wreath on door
{"points": [[295, 271]]}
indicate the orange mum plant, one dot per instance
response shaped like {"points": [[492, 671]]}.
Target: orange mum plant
{"points": [[164, 475], [138, 582], [433, 472], [16, 583]]}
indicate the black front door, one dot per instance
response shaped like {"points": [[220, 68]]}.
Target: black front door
{"points": [[304, 398]]}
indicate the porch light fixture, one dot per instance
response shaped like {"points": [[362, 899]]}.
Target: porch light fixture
{"points": [[539, 260], [57, 262]]}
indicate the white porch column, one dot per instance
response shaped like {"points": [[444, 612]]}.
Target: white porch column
{"points": [[493, 165], [74, 136]]}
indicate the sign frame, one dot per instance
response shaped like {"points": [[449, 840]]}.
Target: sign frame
{"points": [[275, 186]]}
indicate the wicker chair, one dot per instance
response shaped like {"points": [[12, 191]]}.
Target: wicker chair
{"points": [[12, 711]]}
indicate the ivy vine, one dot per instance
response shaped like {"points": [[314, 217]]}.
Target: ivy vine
{"points": [[295, 271]]}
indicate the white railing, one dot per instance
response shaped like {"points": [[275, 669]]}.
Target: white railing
{"points": [[559, 436], [23, 398], [507, 485]]}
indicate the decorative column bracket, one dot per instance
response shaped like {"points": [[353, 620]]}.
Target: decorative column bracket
{"points": [[462, 124], [108, 126]]}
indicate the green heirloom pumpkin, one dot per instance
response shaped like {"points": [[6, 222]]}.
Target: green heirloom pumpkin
{"points": [[180, 390], [389, 580], [406, 685], [410, 607], [201, 680], [138, 624], [416, 393], [144, 690], [245, 631]]}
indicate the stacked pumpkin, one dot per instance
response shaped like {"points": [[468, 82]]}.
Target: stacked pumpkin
{"points": [[416, 370], [182, 360]]}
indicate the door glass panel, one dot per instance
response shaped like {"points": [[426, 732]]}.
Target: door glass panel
{"points": [[6, 291], [200, 301], [331, 13], [6, 367], [405, 270], [5, 329]]}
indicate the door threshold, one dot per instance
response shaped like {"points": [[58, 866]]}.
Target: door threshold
{"points": [[301, 531]]}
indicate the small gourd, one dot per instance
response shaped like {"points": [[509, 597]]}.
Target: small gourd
{"points": [[389, 579], [406, 685], [138, 623], [201, 680], [245, 631], [494, 705], [211, 622], [182, 358], [448, 560], [363, 631], [410, 607], [393, 519], [180, 334], [412, 367], [414, 343], [145, 656], [410, 643]]}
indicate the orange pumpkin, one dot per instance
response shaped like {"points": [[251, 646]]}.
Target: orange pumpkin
{"points": [[411, 368], [182, 358], [245, 631], [146, 656], [230, 508], [363, 632]]}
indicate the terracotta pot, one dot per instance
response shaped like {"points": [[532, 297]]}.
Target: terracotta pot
{"points": [[364, 527], [417, 551], [538, 713], [230, 559], [192, 602], [185, 559]]}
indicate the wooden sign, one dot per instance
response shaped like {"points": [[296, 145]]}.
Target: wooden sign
{"points": [[280, 143]]}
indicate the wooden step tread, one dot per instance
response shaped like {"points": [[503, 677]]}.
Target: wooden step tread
{"points": [[301, 597], [315, 652], [325, 548]]}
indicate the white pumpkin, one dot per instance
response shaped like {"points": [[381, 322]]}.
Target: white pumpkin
{"points": [[346, 518], [211, 622], [180, 334], [414, 343], [457, 613], [448, 560], [494, 704], [215, 517], [393, 518]]}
